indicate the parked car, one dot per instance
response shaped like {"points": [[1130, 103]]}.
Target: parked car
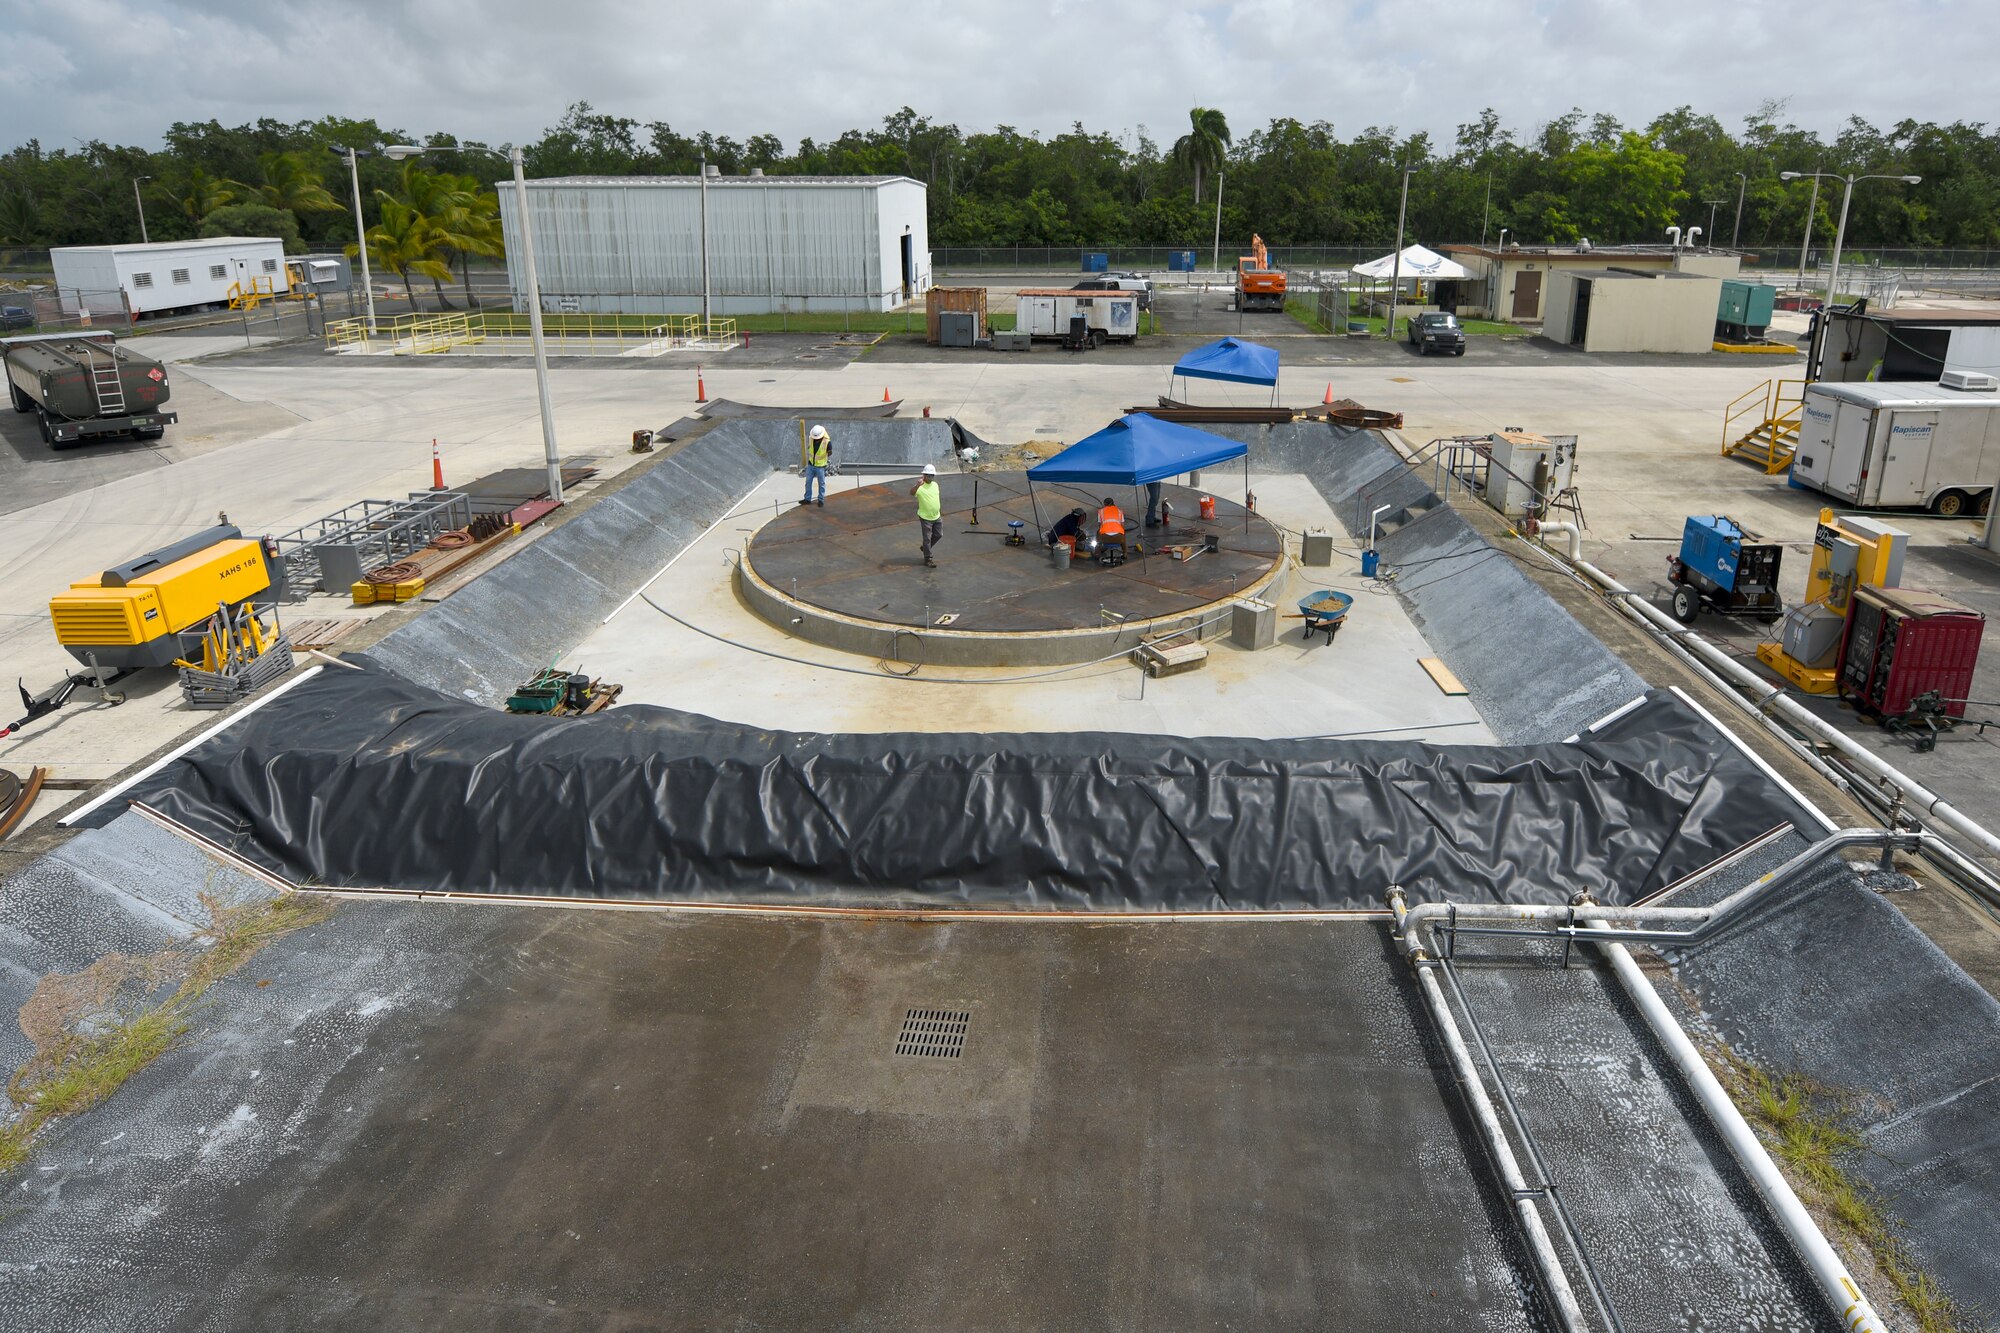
{"points": [[1119, 282], [15, 317], [1436, 331]]}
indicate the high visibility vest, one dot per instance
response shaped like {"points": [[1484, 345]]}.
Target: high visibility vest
{"points": [[819, 452], [1111, 521]]}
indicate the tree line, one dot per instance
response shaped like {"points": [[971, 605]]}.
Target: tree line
{"points": [[1295, 182]]}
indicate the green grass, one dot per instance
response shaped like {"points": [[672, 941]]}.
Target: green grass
{"points": [[1808, 1129], [1307, 313], [83, 1069]]}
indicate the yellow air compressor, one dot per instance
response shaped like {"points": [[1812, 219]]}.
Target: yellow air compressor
{"points": [[154, 610]]}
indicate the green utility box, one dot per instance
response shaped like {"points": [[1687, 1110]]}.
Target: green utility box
{"points": [[1745, 310]]}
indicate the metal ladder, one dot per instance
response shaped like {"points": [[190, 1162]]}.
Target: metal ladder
{"points": [[108, 385]]}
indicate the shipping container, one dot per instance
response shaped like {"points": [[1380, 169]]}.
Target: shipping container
{"points": [[1046, 313], [635, 244], [85, 386], [1890, 446], [1902, 643], [165, 276], [940, 299]]}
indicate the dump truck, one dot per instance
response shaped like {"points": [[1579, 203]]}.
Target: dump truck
{"points": [[1258, 285], [84, 387]]}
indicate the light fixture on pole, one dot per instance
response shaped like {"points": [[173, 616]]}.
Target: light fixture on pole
{"points": [[550, 454], [143, 238], [1812, 210], [1736, 232], [360, 233], [1396, 260], [1840, 230]]}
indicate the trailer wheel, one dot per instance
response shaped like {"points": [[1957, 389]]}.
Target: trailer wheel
{"points": [[42, 418], [1686, 605], [1950, 505], [1097, 337], [1985, 504]]}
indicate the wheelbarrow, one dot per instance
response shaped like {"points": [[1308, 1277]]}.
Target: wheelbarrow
{"points": [[1324, 612]]}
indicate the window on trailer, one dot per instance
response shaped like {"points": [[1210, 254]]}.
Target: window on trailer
{"points": [[270, 266], [142, 279], [180, 275], [218, 272]]}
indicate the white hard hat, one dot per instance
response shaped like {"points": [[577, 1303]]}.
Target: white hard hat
{"points": [[930, 469], [819, 432]]}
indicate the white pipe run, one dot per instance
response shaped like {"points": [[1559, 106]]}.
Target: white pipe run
{"points": [[1828, 1270], [1769, 698], [1561, 1297], [1856, 1314]]}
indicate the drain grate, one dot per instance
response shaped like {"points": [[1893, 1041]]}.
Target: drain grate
{"points": [[938, 1033]]}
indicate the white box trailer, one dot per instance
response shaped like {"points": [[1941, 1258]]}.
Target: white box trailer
{"points": [[162, 276], [1110, 316], [1900, 445]]}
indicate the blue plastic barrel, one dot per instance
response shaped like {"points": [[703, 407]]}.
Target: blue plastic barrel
{"points": [[1368, 563]]}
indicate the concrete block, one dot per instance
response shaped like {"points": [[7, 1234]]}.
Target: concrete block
{"points": [[1253, 623], [1316, 548]]}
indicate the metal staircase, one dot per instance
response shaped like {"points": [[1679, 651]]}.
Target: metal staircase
{"points": [[107, 384], [1774, 407]]}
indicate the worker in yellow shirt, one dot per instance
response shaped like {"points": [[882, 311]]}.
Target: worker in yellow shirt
{"points": [[818, 457], [930, 511]]}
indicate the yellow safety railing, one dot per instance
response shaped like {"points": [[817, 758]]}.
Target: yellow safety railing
{"points": [[566, 334], [439, 333], [1773, 412]]}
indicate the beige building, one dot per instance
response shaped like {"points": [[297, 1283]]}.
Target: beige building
{"points": [[1631, 310], [1514, 283]]}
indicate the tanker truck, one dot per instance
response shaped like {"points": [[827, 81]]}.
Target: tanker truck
{"points": [[84, 387]]}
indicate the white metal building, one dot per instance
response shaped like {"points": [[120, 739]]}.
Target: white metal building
{"points": [[151, 278], [633, 244]]}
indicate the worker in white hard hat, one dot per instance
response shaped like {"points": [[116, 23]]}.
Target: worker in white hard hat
{"points": [[930, 511], [818, 458]]}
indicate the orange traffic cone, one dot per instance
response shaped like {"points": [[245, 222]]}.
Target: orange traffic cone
{"points": [[885, 393], [1328, 400], [437, 468], [700, 390]]}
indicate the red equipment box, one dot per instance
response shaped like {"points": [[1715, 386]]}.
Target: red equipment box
{"points": [[1903, 642]]}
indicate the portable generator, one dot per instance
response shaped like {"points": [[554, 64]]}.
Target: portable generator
{"points": [[1719, 569]]}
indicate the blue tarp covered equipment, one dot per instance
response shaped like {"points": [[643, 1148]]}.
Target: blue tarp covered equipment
{"points": [[1231, 359], [1136, 449]]}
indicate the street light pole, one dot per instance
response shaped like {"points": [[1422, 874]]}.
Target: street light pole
{"points": [[143, 238], [1215, 254], [551, 455], [1713, 204], [1812, 210], [1396, 261], [361, 240], [1736, 232], [1839, 237]]}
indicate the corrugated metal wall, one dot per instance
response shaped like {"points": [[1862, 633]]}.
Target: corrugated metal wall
{"points": [[772, 246]]}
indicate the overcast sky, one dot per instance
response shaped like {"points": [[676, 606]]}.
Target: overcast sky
{"points": [[496, 70]]}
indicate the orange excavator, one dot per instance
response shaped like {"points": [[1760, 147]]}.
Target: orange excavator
{"points": [[1258, 285]]}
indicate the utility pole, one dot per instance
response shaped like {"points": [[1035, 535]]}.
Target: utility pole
{"points": [[704, 248], [1713, 204], [1396, 262], [1215, 254], [143, 238], [1486, 212], [1736, 232]]}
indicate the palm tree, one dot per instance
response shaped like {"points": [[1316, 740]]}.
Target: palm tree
{"points": [[405, 242], [201, 193], [1204, 146], [291, 185], [20, 218], [461, 218]]}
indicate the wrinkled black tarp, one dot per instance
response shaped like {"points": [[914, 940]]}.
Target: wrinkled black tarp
{"points": [[360, 778]]}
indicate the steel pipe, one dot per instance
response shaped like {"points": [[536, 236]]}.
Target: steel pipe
{"points": [[1825, 1264], [1562, 1299], [1768, 698]]}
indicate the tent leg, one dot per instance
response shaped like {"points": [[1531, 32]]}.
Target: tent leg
{"points": [[1040, 531], [1246, 492]]}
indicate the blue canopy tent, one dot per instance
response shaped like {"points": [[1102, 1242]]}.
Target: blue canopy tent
{"points": [[1137, 449], [1231, 360]]}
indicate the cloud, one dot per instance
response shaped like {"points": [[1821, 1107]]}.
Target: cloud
{"points": [[498, 70]]}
